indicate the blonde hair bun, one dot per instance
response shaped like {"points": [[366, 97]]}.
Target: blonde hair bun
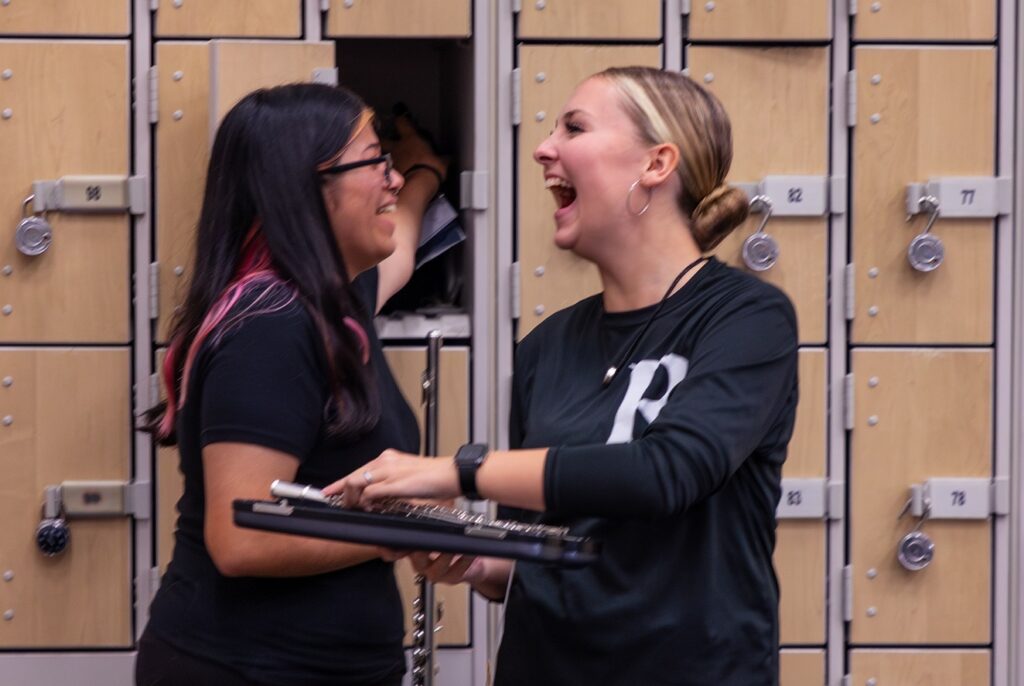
{"points": [[715, 216]]}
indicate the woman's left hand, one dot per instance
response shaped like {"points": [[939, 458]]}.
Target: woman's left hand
{"points": [[394, 474]]}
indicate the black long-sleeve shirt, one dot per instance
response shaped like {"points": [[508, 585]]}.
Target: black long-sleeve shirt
{"points": [[676, 467]]}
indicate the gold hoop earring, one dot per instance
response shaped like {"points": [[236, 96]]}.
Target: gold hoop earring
{"points": [[629, 195]]}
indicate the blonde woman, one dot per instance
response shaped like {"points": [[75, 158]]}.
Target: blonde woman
{"points": [[653, 416]]}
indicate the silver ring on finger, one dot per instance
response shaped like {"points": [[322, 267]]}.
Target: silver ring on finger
{"points": [[368, 477]]}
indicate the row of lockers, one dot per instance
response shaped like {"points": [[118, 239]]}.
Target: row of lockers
{"points": [[65, 410], [793, 20], [66, 417], [779, 100]]}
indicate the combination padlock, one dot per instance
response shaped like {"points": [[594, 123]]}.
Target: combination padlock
{"points": [[34, 233], [925, 252], [915, 551], [53, 536], [760, 251]]}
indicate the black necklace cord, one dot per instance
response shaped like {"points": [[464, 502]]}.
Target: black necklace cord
{"points": [[614, 369]]}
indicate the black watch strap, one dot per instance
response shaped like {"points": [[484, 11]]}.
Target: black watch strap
{"points": [[468, 459]]}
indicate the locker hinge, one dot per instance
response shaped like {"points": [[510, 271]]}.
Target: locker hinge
{"points": [[154, 388], [835, 499], [325, 5], [154, 98], [154, 290], [849, 292], [517, 96], [851, 98], [848, 593], [515, 289], [852, 9], [837, 195], [685, 7], [517, 6], [138, 499], [848, 403], [154, 5], [473, 190], [846, 680], [1000, 497]]}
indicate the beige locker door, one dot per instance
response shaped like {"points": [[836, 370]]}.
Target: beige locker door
{"points": [[959, 20], [931, 667], [66, 111], [760, 20], [268, 18], [407, 18], [407, 365], [198, 84], [574, 19], [182, 141], [61, 17], [239, 67], [778, 101], [919, 414], [67, 416], [800, 544], [802, 668], [907, 132], [552, 279]]}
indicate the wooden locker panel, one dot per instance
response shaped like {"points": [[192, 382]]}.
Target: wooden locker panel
{"points": [[67, 108], [552, 279], [907, 132], [801, 668], [405, 18], [182, 140], [919, 414], [407, 365], [61, 17], [931, 667], [239, 67], [778, 102], [67, 416], [759, 20], [268, 18], [800, 557], [574, 19], [960, 20]]}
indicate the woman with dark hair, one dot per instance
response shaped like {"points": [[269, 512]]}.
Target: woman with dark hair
{"points": [[274, 371], [653, 416]]}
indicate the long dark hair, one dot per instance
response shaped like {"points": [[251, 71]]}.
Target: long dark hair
{"points": [[264, 228]]}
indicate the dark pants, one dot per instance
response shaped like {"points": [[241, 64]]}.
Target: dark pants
{"points": [[161, 664]]}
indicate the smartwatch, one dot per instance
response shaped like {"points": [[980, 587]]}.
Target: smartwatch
{"points": [[468, 459]]}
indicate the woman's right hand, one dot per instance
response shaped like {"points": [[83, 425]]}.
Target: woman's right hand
{"points": [[448, 568]]}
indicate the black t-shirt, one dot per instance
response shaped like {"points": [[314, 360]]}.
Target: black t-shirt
{"points": [[676, 467], [265, 383]]}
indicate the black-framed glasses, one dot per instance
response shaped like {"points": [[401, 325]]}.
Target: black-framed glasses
{"points": [[349, 166]]}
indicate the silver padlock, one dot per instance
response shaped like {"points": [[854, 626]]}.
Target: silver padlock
{"points": [[760, 252], [925, 252], [915, 551], [34, 233]]}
